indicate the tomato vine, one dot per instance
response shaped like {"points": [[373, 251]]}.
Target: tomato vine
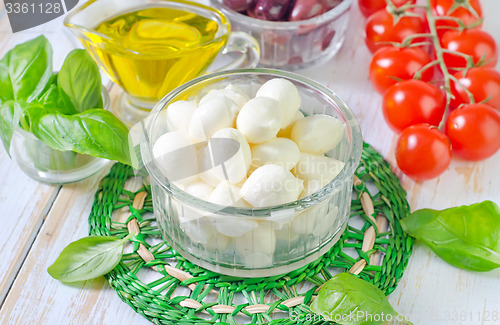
{"points": [[417, 110]]}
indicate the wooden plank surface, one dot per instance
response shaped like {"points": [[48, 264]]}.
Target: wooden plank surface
{"points": [[24, 202], [431, 291]]}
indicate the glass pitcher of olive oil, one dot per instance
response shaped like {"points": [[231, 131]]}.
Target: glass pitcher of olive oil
{"points": [[149, 47]]}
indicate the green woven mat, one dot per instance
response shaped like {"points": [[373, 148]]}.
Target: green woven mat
{"points": [[165, 288]]}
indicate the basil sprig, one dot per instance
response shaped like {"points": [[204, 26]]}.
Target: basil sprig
{"points": [[348, 300], [467, 237], [88, 258], [64, 110], [27, 70]]}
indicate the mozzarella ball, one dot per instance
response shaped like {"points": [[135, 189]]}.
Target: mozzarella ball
{"points": [[227, 156], [187, 213], [239, 98], [286, 93], [260, 119], [199, 189], [208, 176], [285, 132], [214, 114], [304, 222], [327, 223], [317, 134], [312, 186], [243, 89], [307, 221], [282, 217], [271, 185], [286, 233], [228, 195], [179, 114], [200, 230], [233, 226], [177, 157], [217, 242], [278, 151], [320, 168], [261, 240]]}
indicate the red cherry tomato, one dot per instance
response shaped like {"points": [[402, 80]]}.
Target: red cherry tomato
{"points": [[381, 29], [412, 102], [423, 152], [474, 42], [392, 63], [368, 7], [442, 8], [474, 131], [483, 83]]}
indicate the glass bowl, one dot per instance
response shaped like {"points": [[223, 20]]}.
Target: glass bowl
{"points": [[296, 44], [47, 165], [254, 242]]}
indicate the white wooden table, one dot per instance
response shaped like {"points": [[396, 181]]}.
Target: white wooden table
{"points": [[37, 221]]}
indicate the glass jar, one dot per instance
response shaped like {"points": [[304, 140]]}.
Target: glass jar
{"points": [[293, 45], [254, 242], [47, 165]]}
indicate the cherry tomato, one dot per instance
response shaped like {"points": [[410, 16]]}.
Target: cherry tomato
{"points": [[412, 102], [368, 7], [442, 8], [474, 42], [423, 152], [474, 131], [483, 83], [392, 63], [381, 29]]}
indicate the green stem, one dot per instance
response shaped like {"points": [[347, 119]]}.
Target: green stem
{"points": [[418, 74], [467, 91], [431, 19]]}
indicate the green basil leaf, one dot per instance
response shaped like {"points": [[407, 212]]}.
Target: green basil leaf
{"points": [[349, 300], [87, 258], [6, 92], [467, 237], [30, 68], [10, 114], [80, 81], [53, 98], [95, 132]]}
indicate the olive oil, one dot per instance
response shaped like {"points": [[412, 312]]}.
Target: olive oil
{"points": [[151, 51]]}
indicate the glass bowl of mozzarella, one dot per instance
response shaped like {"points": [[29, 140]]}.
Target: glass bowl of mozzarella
{"points": [[251, 170]]}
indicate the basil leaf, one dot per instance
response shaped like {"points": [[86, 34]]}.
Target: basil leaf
{"points": [[29, 68], [10, 114], [467, 237], [6, 92], [53, 98], [349, 300], [87, 258], [95, 132], [79, 81]]}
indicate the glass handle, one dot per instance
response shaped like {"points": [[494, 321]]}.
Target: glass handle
{"points": [[246, 49]]}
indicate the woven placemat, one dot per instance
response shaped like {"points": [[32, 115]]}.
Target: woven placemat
{"points": [[165, 288]]}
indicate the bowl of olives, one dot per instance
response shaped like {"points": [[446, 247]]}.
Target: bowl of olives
{"points": [[292, 34]]}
